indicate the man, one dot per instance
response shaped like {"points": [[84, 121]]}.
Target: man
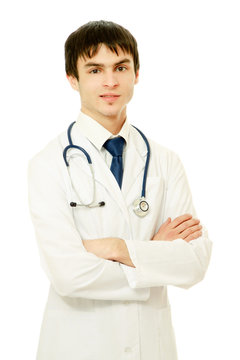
{"points": [[109, 243]]}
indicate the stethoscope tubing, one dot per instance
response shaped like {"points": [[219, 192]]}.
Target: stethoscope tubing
{"points": [[147, 162], [72, 146]]}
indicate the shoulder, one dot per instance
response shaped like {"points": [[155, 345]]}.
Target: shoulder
{"points": [[162, 152], [51, 156], [156, 148], [161, 156], [165, 155], [164, 161]]}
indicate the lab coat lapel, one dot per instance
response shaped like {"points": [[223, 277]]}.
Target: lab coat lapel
{"points": [[134, 161]]}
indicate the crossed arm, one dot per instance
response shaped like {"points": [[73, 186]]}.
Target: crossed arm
{"points": [[115, 249]]}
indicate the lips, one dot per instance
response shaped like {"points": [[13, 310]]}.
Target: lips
{"points": [[109, 97]]}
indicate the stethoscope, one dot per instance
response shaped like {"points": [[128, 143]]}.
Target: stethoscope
{"points": [[140, 205]]}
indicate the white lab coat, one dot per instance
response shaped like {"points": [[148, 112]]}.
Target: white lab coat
{"points": [[99, 309]]}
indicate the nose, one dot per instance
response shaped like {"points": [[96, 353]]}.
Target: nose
{"points": [[110, 79]]}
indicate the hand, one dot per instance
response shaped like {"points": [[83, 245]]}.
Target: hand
{"points": [[183, 227], [105, 248]]}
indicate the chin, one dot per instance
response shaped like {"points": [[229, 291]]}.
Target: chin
{"points": [[110, 112]]}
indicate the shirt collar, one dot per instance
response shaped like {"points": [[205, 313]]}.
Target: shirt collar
{"points": [[96, 133]]}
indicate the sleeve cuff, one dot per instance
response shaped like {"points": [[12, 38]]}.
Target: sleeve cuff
{"points": [[132, 274]]}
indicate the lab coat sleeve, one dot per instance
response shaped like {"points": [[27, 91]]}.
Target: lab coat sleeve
{"points": [[178, 263], [72, 271]]}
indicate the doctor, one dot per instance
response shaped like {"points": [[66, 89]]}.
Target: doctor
{"points": [[109, 259]]}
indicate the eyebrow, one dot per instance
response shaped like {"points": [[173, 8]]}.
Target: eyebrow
{"points": [[89, 64]]}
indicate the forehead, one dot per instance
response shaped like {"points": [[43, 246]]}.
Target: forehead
{"points": [[105, 57]]}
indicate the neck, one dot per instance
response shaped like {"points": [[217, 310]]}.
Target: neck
{"points": [[111, 123]]}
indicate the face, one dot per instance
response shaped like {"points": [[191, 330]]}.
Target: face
{"points": [[106, 83]]}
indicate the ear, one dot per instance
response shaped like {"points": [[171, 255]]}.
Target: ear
{"points": [[73, 82], [136, 77]]}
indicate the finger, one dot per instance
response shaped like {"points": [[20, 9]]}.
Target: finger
{"points": [[179, 220], [167, 221], [193, 236], [187, 224], [190, 231]]}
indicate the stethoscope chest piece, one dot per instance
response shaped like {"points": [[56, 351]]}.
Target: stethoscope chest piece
{"points": [[141, 207]]}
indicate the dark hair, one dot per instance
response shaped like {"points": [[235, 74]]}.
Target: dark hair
{"points": [[85, 41]]}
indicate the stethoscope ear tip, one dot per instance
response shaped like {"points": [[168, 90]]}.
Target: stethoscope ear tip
{"points": [[73, 204]]}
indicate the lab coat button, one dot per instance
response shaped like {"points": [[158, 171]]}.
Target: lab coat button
{"points": [[127, 349]]}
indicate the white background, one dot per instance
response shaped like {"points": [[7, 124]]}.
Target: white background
{"points": [[187, 99]]}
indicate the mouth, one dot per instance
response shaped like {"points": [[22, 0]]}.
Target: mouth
{"points": [[109, 97]]}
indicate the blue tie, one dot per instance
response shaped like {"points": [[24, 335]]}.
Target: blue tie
{"points": [[115, 147]]}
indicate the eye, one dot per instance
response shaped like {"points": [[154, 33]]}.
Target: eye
{"points": [[94, 71], [121, 68]]}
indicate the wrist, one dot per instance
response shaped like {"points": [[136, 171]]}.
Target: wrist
{"points": [[117, 249], [122, 254]]}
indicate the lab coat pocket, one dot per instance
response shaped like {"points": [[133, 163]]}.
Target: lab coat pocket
{"points": [[166, 336]]}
